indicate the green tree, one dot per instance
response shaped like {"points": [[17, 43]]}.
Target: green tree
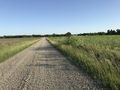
{"points": [[68, 34]]}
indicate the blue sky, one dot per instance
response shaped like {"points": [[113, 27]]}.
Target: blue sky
{"points": [[58, 16]]}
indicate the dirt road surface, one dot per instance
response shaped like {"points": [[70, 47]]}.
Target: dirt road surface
{"points": [[42, 67]]}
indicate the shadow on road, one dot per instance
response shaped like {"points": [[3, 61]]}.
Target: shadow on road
{"points": [[64, 67]]}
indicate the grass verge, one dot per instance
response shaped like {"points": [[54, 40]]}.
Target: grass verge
{"points": [[9, 47], [101, 62]]}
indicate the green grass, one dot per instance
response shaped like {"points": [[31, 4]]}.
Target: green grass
{"points": [[97, 55], [9, 47]]}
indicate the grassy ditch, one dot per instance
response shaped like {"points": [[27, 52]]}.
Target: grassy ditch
{"points": [[9, 47], [97, 55]]}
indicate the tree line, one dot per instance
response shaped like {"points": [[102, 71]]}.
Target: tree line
{"points": [[46, 35], [20, 36], [109, 32]]}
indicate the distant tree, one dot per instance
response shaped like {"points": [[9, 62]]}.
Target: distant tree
{"points": [[1, 36], [111, 32], [108, 32], [54, 35], [68, 34], [118, 31], [36, 35], [100, 33]]}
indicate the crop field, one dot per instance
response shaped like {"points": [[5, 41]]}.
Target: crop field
{"points": [[11, 46], [97, 55]]}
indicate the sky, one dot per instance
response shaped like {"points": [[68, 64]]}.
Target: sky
{"points": [[58, 16]]}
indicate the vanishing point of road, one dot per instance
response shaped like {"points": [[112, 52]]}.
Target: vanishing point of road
{"points": [[42, 67]]}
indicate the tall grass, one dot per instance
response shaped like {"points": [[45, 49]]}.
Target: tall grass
{"points": [[98, 55], [9, 47]]}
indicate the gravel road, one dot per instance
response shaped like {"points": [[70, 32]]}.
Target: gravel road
{"points": [[42, 67]]}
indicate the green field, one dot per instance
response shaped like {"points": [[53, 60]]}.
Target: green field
{"points": [[11, 46], [97, 55]]}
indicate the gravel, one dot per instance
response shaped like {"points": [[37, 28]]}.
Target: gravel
{"points": [[42, 67]]}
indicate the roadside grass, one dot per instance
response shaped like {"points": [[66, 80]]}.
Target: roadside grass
{"points": [[9, 47], [97, 55]]}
